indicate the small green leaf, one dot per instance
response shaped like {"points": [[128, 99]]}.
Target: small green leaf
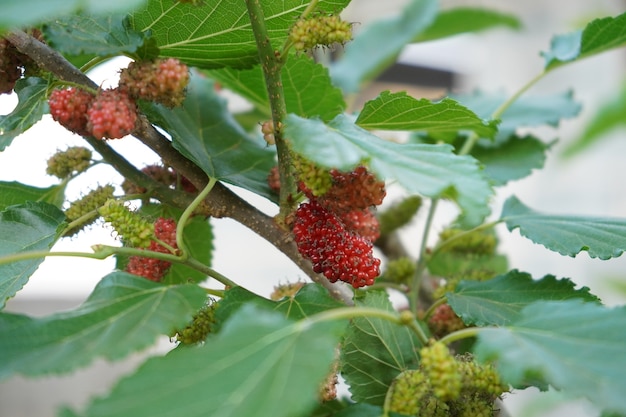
{"points": [[512, 159], [399, 111], [307, 86], [598, 36], [198, 237], [206, 132], [103, 35], [32, 226], [375, 351], [608, 117], [32, 104], [430, 170], [466, 19], [574, 346], [526, 111], [216, 34], [378, 44], [12, 193], [124, 314], [259, 365], [499, 301], [601, 237], [28, 13]]}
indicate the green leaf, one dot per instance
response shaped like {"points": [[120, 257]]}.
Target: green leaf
{"points": [[512, 159], [526, 111], [206, 132], [399, 111], [453, 264], [576, 347], [598, 36], [28, 13], [13, 192], [607, 117], [125, 313], [378, 44], [466, 19], [601, 237], [307, 86], [499, 301], [309, 300], [430, 170], [32, 104], [259, 365], [103, 35], [33, 226], [375, 351], [217, 34]]}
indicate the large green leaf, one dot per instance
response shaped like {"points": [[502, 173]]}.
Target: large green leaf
{"points": [[32, 226], [430, 170], [217, 34], [14, 192], [259, 365], [378, 44], [466, 19], [32, 104], [608, 117], [601, 237], [526, 111], [375, 351], [206, 132], [307, 86], [499, 301], [512, 159], [598, 36], [399, 111], [309, 300], [102, 35], [574, 346], [125, 313], [28, 13]]}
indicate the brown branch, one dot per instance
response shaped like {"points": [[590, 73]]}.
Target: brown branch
{"points": [[221, 202]]}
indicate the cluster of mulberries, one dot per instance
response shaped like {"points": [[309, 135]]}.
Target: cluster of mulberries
{"points": [[336, 228], [321, 30], [446, 386], [73, 160], [161, 81], [444, 321], [335, 251], [112, 113], [151, 268]]}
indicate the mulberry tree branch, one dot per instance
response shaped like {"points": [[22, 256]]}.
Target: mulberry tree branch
{"points": [[221, 202]]}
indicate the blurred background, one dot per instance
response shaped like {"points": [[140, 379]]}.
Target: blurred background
{"points": [[496, 60]]}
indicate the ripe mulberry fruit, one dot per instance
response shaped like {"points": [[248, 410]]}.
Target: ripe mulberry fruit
{"points": [[362, 222], [151, 268], [162, 81], [69, 108], [112, 115], [333, 250]]}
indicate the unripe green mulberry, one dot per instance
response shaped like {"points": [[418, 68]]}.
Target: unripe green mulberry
{"points": [[407, 390], [321, 30], [200, 326], [134, 230], [477, 242], [473, 405], [86, 208], [399, 214], [75, 159], [399, 270], [442, 371], [480, 378], [313, 180]]}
